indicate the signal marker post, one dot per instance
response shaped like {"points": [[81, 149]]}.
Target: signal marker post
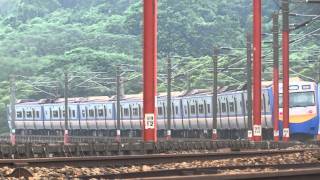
{"points": [[150, 71], [275, 18], [285, 66], [257, 70]]}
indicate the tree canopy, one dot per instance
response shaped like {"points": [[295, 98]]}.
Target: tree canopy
{"points": [[39, 40]]}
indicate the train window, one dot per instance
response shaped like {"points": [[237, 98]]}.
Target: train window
{"points": [[294, 87], [135, 111], [126, 111], [304, 87], [19, 114], [201, 109], [160, 112], [231, 106], [29, 114], [91, 113], [177, 110], [208, 108], [223, 107], [55, 113], [193, 109], [100, 113], [109, 111]]}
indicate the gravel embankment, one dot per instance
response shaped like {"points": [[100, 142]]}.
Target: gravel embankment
{"points": [[68, 171]]}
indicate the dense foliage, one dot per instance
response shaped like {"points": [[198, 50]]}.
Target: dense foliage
{"points": [[42, 39]]}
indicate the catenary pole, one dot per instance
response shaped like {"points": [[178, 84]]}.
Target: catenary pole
{"points": [[257, 70], [150, 70]]}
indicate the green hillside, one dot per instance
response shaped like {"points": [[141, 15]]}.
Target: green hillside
{"points": [[40, 39]]}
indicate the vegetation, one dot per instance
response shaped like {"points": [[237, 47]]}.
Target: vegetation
{"points": [[40, 40]]}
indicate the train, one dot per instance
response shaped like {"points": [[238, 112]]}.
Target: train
{"points": [[191, 113]]}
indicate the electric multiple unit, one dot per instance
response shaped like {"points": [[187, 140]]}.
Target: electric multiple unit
{"points": [[189, 112]]}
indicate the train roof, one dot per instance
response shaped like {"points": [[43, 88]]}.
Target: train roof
{"points": [[174, 94]]}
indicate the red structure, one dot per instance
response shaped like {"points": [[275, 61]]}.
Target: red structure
{"points": [[257, 70], [285, 59], [150, 70]]}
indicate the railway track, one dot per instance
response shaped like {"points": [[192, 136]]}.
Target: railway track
{"points": [[233, 172], [27, 167], [126, 160]]}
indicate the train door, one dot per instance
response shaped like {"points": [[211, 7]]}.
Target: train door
{"points": [[239, 110], [36, 110], [113, 124], [202, 113], [135, 122], [100, 116], [160, 113], [130, 115], [208, 112], [267, 113], [125, 114], [55, 119], [231, 112], [244, 110], [111, 116], [28, 118], [189, 113], [46, 117], [196, 102], [92, 116], [176, 114], [219, 113], [83, 116], [74, 123], [140, 115], [96, 117], [236, 107], [105, 111], [162, 119], [224, 112], [19, 123], [51, 117]]}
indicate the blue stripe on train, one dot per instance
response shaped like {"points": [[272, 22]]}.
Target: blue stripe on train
{"points": [[308, 127]]}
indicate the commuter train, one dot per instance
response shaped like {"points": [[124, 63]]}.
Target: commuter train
{"points": [[191, 114]]}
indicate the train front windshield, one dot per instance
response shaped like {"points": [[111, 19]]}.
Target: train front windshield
{"points": [[299, 99]]}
